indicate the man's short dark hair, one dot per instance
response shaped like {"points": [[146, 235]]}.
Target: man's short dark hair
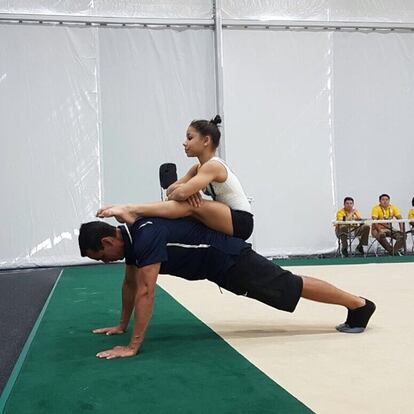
{"points": [[383, 195], [91, 234], [348, 199], [412, 202]]}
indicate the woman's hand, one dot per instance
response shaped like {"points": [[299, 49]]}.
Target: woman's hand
{"points": [[195, 200]]}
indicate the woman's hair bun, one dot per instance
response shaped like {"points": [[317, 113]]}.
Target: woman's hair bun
{"points": [[216, 120]]}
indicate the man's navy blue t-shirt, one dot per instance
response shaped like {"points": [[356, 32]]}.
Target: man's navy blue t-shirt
{"points": [[184, 247]]}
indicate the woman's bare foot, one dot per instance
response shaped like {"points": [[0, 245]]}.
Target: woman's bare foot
{"points": [[102, 209], [121, 212]]}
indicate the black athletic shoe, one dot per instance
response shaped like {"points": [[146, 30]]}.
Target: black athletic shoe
{"points": [[358, 318], [344, 252], [360, 249]]}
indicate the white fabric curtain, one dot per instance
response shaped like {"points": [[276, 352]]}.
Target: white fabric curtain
{"points": [[154, 83], [317, 116], [49, 162], [277, 94], [88, 115], [399, 11], [109, 8], [311, 116], [374, 97]]}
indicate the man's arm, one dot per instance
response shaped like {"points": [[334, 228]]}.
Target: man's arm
{"points": [[207, 173], [402, 225], [374, 216], [377, 226], [146, 279], [129, 289], [339, 217], [144, 303], [358, 215]]}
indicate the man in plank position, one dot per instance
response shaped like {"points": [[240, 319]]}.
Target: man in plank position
{"points": [[186, 248]]}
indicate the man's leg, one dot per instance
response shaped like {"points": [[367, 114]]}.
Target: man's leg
{"points": [[360, 310], [381, 237], [256, 277], [362, 233], [342, 234], [321, 291], [399, 244]]}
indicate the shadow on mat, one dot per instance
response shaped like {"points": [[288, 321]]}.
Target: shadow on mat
{"points": [[175, 338]]}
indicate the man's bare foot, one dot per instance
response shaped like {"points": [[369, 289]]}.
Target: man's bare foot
{"points": [[121, 212]]}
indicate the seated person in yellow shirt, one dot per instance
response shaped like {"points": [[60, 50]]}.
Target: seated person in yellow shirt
{"points": [[386, 211], [343, 231]]}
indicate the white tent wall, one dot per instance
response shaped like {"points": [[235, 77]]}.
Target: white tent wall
{"points": [[89, 113], [312, 10], [374, 100], [126, 8], [317, 115], [321, 10], [277, 96], [49, 162], [52, 118], [154, 83]]}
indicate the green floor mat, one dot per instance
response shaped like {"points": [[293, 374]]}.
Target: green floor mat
{"points": [[184, 367], [334, 261]]}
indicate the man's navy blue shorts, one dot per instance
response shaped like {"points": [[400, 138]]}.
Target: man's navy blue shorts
{"points": [[258, 278]]}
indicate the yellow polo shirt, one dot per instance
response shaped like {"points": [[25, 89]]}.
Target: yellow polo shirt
{"points": [[353, 215], [380, 213], [411, 216]]}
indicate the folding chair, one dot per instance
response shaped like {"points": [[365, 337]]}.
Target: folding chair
{"points": [[168, 176], [374, 243]]}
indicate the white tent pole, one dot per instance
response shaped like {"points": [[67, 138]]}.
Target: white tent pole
{"points": [[218, 43]]}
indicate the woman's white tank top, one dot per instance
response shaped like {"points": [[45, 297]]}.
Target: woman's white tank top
{"points": [[230, 192]]}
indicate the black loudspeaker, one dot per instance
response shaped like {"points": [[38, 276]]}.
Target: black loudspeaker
{"points": [[168, 175]]}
